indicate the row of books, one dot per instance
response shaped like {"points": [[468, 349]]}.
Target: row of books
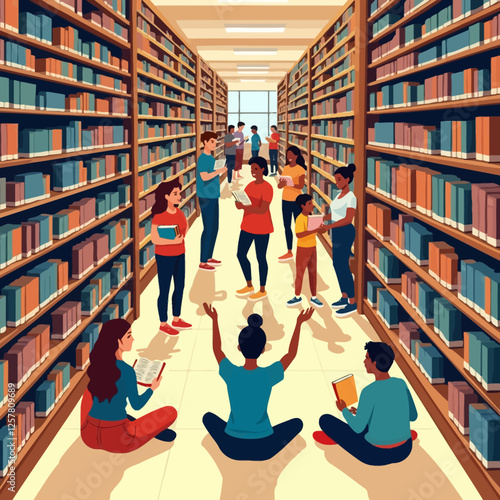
{"points": [[22, 427], [146, 203], [301, 113], [336, 151], [334, 105], [335, 70], [106, 22], [481, 358], [336, 85], [99, 288], [293, 96], [206, 116], [167, 77], [335, 56], [148, 130], [298, 127], [483, 434], [146, 255], [51, 390], [297, 103], [297, 140], [150, 178], [189, 208], [298, 83], [164, 109], [465, 84], [120, 308], [341, 34], [444, 197], [334, 128], [324, 166], [25, 356], [326, 186], [163, 90], [294, 72], [466, 139], [464, 40], [155, 152], [145, 228]]}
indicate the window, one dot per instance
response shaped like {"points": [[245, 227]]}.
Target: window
{"points": [[254, 108]]}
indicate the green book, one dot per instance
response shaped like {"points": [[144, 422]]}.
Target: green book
{"points": [[490, 365], [4, 92], [476, 339]]}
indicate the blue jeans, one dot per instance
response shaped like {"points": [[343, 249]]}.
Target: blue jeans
{"points": [[251, 449], [342, 240], [261, 243], [273, 160], [255, 152], [168, 268], [230, 162], [359, 447], [210, 215], [289, 208]]}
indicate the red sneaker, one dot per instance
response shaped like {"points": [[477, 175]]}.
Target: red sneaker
{"points": [[214, 262], [172, 332], [414, 435], [206, 267], [321, 438], [181, 325]]}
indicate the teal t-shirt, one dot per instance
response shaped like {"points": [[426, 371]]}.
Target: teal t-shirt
{"points": [[211, 188], [255, 142], [249, 392], [386, 408], [127, 389]]}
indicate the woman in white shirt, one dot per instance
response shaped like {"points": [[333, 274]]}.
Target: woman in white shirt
{"points": [[342, 211]]}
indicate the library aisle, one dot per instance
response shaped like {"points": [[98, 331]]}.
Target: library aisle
{"points": [[192, 467]]}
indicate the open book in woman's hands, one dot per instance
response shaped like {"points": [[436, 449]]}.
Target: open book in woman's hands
{"points": [[146, 370]]}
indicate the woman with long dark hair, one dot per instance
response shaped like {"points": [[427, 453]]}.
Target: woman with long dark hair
{"points": [[170, 253], [295, 172], [342, 211], [105, 424]]}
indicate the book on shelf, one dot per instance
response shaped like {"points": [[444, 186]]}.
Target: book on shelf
{"points": [[460, 396], [241, 197], [82, 354], [45, 398], [345, 389], [147, 370], [484, 438]]}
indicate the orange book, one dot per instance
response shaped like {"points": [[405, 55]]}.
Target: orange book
{"points": [[13, 140], [466, 350], [449, 262], [62, 274], [56, 141], [42, 331], [480, 139], [468, 84], [383, 222], [495, 74], [491, 144], [18, 429], [402, 184], [58, 37], [488, 30], [345, 390], [56, 377], [70, 37], [487, 297], [371, 216], [12, 15], [428, 204], [38, 350], [32, 294], [421, 190]]}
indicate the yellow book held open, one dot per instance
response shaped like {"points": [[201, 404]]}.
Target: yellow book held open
{"points": [[345, 389]]}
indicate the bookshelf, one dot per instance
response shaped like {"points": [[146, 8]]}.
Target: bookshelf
{"points": [[282, 119], [96, 121]]}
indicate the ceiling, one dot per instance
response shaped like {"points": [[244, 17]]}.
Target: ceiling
{"points": [[203, 23]]}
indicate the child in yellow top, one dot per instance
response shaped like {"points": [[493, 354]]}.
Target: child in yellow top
{"points": [[306, 251]]}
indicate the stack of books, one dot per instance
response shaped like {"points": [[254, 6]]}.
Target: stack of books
{"points": [[388, 309], [385, 263], [460, 396], [419, 295], [448, 323], [336, 85], [484, 436], [481, 359], [82, 353], [65, 319], [334, 128], [90, 334], [107, 23], [338, 152], [49, 392], [24, 418], [119, 309]]}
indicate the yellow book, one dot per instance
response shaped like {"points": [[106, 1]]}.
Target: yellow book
{"points": [[345, 389]]}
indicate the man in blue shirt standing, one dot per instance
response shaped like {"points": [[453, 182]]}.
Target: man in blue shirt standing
{"points": [[256, 143], [208, 191], [378, 431]]}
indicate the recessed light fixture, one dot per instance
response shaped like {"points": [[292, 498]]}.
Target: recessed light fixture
{"points": [[260, 67], [255, 28], [252, 1], [255, 52], [252, 72], [261, 81]]}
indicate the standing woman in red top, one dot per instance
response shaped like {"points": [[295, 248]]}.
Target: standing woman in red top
{"points": [[170, 254], [256, 227]]}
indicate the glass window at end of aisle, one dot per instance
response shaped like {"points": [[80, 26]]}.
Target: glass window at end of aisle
{"points": [[233, 119], [254, 101], [261, 120], [273, 102], [233, 103]]}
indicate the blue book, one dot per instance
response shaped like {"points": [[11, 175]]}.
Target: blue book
{"points": [[3, 313], [494, 316], [33, 185], [371, 291], [417, 241], [45, 222], [468, 139], [384, 133], [476, 437], [126, 261], [484, 82], [458, 42], [60, 225], [63, 178], [54, 101], [122, 298], [426, 296], [168, 232], [476, 340], [6, 255], [5, 457], [124, 194], [433, 364], [118, 134], [108, 314], [45, 28], [47, 274], [439, 195], [450, 325], [429, 55], [461, 206], [105, 279], [13, 295], [480, 272], [90, 334], [65, 368], [89, 299], [490, 452], [45, 398], [27, 24], [466, 292], [490, 365], [4, 92], [457, 85]]}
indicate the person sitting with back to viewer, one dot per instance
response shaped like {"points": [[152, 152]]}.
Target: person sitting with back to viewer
{"points": [[248, 435], [378, 431]]}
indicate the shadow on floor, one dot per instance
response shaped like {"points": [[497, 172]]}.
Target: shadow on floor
{"points": [[93, 474], [367, 328], [161, 347], [203, 290], [325, 328], [419, 476], [251, 480]]}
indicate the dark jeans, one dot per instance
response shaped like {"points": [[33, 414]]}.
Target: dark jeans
{"points": [[168, 268], [210, 215], [359, 447], [251, 449], [342, 240], [261, 243], [255, 152], [230, 163], [273, 160], [289, 208]]}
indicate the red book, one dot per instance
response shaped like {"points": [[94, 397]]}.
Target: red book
{"points": [[493, 219], [14, 357], [43, 333]]}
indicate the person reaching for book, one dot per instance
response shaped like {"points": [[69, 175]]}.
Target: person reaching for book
{"points": [[378, 431], [256, 227], [168, 230], [248, 434], [105, 424], [291, 180], [306, 229]]}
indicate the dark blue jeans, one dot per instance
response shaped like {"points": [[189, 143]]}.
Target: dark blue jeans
{"points": [[251, 449], [230, 162], [261, 243], [255, 152], [289, 208], [168, 268], [342, 240], [210, 215], [273, 160], [359, 447]]}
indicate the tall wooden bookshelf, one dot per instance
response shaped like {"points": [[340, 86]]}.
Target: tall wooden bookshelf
{"points": [[282, 119], [150, 66], [220, 127], [366, 73]]}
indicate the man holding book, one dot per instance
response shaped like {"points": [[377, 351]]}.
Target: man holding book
{"points": [[378, 431]]}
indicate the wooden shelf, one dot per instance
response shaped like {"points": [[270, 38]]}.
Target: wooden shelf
{"points": [[326, 175], [77, 114], [334, 92], [172, 85], [165, 98], [299, 119], [166, 159], [333, 139], [323, 195], [328, 159], [103, 6], [165, 118], [334, 49], [347, 114], [334, 78], [162, 65], [298, 107], [152, 140], [333, 64]]}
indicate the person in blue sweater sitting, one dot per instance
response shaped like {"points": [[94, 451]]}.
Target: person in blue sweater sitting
{"points": [[378, 431], [248, 435]]}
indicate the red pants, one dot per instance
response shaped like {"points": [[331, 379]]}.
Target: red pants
{"points": [[306, 259], [122, 436], [239, 160]]}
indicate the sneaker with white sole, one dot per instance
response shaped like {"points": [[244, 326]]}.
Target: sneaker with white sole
{"points": [[294, 301], [347, 310], [340, 303], [316, 302]]}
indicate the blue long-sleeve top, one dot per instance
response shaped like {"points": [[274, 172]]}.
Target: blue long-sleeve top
{"points": [[386, 408], [127, 389]]}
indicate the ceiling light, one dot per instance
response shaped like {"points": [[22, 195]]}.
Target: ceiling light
{"points": [[255, 28], [261, 81], [252, 1], [255, 52], [253, 72], [252, 66]]}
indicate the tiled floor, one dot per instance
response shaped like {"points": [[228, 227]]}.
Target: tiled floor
{"points": [[192, 467]]}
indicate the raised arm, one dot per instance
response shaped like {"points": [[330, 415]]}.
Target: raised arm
{"points": [[216, 340], [287, 359]]}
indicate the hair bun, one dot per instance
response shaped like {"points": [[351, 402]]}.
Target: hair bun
{"points": [[352, 167], [255, 320]]}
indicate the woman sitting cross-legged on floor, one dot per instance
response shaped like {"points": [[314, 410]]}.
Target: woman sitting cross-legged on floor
{"points": [[248, 435], [105, 424]]}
